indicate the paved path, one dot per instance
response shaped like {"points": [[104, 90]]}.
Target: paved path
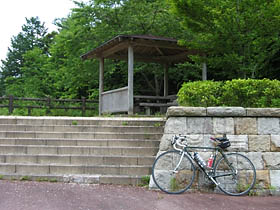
{"points": [[60, 196]]}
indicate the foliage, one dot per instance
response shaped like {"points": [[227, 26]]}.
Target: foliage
{"points": [[145, 180], [95, 22], [251, 93], [200, 93], [23, 71], [32, 36], [239, 37], [238, 92]]}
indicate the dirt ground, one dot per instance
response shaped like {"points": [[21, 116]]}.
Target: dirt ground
{"points": [[16, 195]]}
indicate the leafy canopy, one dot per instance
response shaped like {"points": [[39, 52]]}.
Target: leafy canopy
{"points": [[238, 36]]}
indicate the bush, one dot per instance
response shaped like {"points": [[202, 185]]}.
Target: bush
{"points": [[201, 93], [239, 92]]}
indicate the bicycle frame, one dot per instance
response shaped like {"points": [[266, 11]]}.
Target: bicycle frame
{"points": [[210, 174]]}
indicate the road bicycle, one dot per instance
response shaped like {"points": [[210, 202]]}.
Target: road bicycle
{"points": [[174, 171]]}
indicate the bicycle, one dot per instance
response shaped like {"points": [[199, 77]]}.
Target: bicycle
{"points": [[174, 171]]}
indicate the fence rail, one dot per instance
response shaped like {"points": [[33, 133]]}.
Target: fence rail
{"points": [[47, 103]]}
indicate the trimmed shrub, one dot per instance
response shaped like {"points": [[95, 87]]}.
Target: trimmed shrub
{"points": [[200, 93], [239, 92]]}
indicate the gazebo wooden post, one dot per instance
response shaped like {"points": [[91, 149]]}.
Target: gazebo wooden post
{"points": [[130, 79], [165, 80], [101, 82], [204, 71]]}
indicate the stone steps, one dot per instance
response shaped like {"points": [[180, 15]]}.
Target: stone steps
{"points": [[89, 150], [80, 142], [76, 159], [87, 121], [83, 150], [80, 128], [77, 135], [56, 169], [77, 178]]}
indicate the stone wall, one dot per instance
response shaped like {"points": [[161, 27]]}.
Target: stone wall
{"points": [[254, 132]]}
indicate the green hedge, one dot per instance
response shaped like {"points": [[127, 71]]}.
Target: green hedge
{"points": [[239, 92]]}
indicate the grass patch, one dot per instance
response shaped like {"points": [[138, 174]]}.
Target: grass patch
{"points": [[74, 122], [25, 178], [42, 179], [124, 123], [145, 180], [173, 184], [157, 125], [53, 180]]}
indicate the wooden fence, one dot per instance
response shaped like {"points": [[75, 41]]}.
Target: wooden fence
{"points": [[48, 104]]}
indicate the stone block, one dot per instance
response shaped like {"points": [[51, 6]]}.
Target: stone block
{"points": [[2, 158], [165, 143], [256, 158], [275, 143], [195, 140], [272, 160], [199, 125], [238, 143], [82, 179], [246, 126], [268, 126], [21, 159], [207, 142], [263, 179], [226, 111], [175, 125], [179, 111], [263, 112], [7, 168], [39, 150], [274, 177], [9, 149], [32, 169], [55, 169], [259, 143], [223, 125]]}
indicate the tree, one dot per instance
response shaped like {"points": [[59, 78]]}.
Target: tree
{"points": [[32, 35], [91, 24], [239, 37]]}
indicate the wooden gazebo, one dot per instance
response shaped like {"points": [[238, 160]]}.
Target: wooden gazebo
{"points": [[133, 48]]}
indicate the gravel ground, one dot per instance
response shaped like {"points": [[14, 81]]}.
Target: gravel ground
{"points": [[16, 195]]}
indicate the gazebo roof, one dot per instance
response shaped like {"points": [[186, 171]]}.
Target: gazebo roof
{"points": [[146, 49]]}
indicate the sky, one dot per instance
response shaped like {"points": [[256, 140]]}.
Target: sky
{"points": [[13, 13]]}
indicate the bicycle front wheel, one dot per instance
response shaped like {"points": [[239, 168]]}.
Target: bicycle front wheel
{"points": [[173, 172], [235, 174]]}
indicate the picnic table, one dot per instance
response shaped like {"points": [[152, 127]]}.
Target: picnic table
{"points": [[153, 104]]}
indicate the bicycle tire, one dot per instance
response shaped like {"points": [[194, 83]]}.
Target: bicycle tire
{"points": [[239, 183], [164, 176]]}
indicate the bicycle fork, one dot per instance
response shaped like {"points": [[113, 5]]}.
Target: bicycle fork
{"points": [[181, 158]]}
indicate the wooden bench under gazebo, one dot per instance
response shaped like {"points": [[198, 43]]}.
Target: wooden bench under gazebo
{"points": [[132, 48]]}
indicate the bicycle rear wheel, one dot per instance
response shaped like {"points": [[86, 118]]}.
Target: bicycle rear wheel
{"points": [[235, 174], [173, 172]]}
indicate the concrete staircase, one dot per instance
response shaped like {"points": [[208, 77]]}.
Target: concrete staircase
{"points": [[84, 150]]}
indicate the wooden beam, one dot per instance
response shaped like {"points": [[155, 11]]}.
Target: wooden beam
{"points": [[101, 83], [130, 79], [157, 59], [204, 71], [160, 52], [159, 44], [113, 50], [165, 80]]}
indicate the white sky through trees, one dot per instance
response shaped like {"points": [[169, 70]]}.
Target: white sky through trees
{"points": [[13, 13]]}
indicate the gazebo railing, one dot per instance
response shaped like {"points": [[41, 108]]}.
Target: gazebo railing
{"points": [[114, 101]]}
